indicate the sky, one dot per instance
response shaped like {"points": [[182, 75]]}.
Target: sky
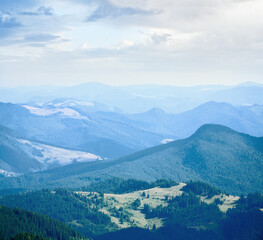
{"points": [[123, 42]]}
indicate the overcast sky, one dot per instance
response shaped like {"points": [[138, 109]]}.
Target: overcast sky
{"points": [[179, 42]]}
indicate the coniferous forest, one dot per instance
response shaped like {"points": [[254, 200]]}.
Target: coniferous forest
{"points": [[53, 214], [15, 222]]}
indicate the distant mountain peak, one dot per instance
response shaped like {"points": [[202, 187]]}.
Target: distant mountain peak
{"points": [[250, 84], [156, 111], [214, 154], [64, 102], [215, 128], [215, 103]]}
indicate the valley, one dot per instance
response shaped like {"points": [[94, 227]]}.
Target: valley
{"points": [[131, 120], [19, 156], [88, 169]]}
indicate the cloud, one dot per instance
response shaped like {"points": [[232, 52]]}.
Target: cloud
{"points": [[107, 9], [41, 11], [7, 21], [8, 25], [179, 35], [40, 38], [160, 38], [154, 44]]}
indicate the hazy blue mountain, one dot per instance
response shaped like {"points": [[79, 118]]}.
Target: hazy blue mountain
{"points": [[246, 119], [22, 156], [94, 128], [140, 98], [107, 134], [81, 107], [216, 154], [174, 99], [13, 157], [48, 93]]}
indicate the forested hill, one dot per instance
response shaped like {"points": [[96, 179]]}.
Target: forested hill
{"points": [[167, 210], [16, 221], [65, 206], [216, 154]]}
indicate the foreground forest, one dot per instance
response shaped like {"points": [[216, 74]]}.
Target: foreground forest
{"points": [[131, 209]]}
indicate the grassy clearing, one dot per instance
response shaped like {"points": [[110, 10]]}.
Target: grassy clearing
{"points": [[228, 201], [121, 211]]}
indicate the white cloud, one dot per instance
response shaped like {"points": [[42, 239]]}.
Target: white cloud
{"points": [[137, 36]]}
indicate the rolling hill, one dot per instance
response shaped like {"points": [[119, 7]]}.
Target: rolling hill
{"points": [[107, 134], [18, 156], [246, 119], [113, 211], [216, 154], [142, 210]]}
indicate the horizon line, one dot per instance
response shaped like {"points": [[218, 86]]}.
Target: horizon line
{"points": [[248, 83]]}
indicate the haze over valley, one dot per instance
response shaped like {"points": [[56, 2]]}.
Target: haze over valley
{"points": [[127, 120], [86, 145]]}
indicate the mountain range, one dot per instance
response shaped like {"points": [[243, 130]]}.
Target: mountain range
{"points": [[35, 135], [140, 98], [106, 134], [246, 119], [214, 153]]}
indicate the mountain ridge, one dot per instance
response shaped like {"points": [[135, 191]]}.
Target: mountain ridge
{"points": [[217, 154], [173, 99]]}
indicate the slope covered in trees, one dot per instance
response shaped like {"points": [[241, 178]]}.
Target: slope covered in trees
{"points": [[67, 207], [119, 185], [201, 188], [193, 212], [216, 154], [15, 221]]}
